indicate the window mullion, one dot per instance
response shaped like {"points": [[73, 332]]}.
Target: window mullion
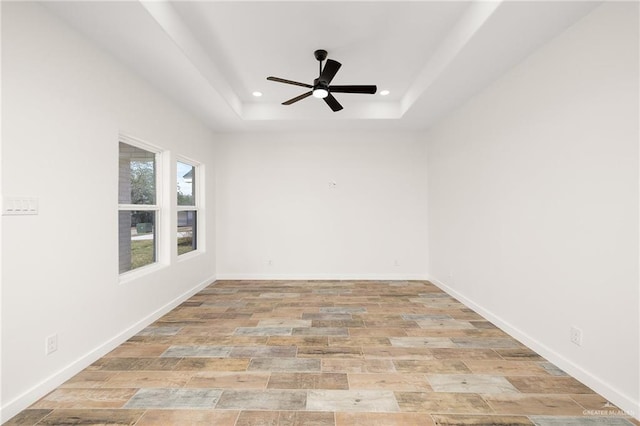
{"points": [[145, 207]]}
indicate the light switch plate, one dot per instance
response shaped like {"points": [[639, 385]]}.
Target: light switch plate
{"points": [[19, 206]]}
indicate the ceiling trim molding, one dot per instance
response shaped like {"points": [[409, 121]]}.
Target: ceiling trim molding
{"points": [[474, 18], [165, 15]]}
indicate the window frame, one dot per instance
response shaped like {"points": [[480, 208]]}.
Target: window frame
{"points": [[196, 207], [157, 208]]}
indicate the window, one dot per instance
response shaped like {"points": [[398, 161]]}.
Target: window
{"points": [[138, 207], [187, 207]]}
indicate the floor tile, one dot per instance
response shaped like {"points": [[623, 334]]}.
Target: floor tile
{"points": [[226, 303], [595, 402], [343, 400], [285, 364], [390, 324], [350, 323], [534, 404], [441, 403], [263, 331], [452, 332], [470, 383], [159, 331], [149, 379], [305, 418], [445, 324], [359, 341], [285, 418], [579, 421], [284, 322], [258, 418], [89, 379], [552, 369], [213, 364], [234, 399], [92, 417], [321, 331], [326, 317], [385, 332], [519, 354], [264, 351], [343, 310], [422, 342], [464, 353], [298, 341], [280, 295], [188, 417], [431, 366], [461, 420], [551, 384], [423, 317], [383, 419], [174, 398], [397, 353], [494, 343], [226, 380], [27, 417], [506, 368], [389, 381], [135, 350], [329, 352], [357, 365], [85, 398], [197, 351], [135, 364], [308, 381]]}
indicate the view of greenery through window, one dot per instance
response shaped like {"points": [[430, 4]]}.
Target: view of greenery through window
{"points": [[187, 212], [138, 209]]}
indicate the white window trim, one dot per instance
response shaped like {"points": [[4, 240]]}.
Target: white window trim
{"points": [[197, 207], [160, 258]]}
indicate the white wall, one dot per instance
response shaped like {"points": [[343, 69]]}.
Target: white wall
{"points": [[275, 202], [63, 104], [533, 201]]}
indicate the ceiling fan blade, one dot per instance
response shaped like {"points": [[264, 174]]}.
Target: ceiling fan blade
{"points": [[333, 103], [295, 83], [297, 98], [370, 90], [331, 67]]}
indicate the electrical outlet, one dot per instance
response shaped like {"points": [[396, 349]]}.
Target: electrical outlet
{"points": [[575, 335], [269, 262], [52, 344], [396, 262]]}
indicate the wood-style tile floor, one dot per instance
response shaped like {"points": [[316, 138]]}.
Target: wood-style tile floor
{"points": [[322, 353]]}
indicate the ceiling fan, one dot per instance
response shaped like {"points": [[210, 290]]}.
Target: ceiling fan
{"points": [[321, 86]]}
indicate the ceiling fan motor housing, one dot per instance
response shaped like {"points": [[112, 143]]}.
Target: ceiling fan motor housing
{"points": [[320, 54], [320, 88], [319, 84]]}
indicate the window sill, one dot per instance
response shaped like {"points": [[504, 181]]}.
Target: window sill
{"points": [[129, 276], [190, 255]]}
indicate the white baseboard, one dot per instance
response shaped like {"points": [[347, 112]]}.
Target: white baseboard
{"points": [[312, 277], [36, 392], [614, 396]]}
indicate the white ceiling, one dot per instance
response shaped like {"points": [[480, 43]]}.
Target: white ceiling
{"points": [[209, 56]]}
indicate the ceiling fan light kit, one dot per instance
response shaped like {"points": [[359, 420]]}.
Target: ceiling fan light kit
{"points": [[320, 93], [321, 87]]}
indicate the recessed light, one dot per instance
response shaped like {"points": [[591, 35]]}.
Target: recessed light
{"points": [[257, 94], [384, 92]]}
